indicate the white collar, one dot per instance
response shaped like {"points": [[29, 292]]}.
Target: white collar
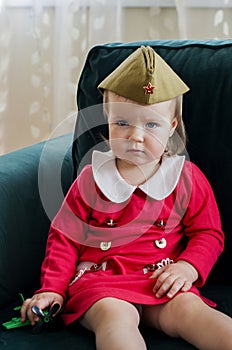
{"points": [[117, 190]]}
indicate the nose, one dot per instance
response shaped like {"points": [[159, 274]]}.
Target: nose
{"points": [[136, 134]]}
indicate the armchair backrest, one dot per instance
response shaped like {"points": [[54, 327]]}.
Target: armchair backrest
{"points": [[206, 67]]}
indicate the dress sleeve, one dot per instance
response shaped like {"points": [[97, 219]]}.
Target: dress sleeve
{"points": [[66, 236], [202, 225], [59, 264]]}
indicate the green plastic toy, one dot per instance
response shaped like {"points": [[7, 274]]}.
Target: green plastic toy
{"points": [[45, 318], [15, 322]]}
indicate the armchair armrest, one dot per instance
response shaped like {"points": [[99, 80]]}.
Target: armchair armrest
{"points": [[33, 182]]}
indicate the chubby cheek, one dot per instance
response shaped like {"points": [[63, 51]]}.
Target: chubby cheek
{"points": [[156, 145], [155, 152], [116, 145], [116, 139], [113, 133]]}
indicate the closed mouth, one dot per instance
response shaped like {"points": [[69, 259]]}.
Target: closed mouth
{"points": [[135, 150]]}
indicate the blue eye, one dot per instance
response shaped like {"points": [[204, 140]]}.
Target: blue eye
{"points": [[151, 125], [122, 123]]}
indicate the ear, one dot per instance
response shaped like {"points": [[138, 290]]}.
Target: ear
{"points": [[173, 126]]}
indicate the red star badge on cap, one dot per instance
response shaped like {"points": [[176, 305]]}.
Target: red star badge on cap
{"points": [[149, 89]]}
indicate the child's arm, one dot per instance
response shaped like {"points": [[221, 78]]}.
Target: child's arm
{"points": [[62, 251], [67, 233], [202, 227], [59, 265]]}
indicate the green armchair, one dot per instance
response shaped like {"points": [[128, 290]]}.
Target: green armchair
{"points": [[34, 180]]}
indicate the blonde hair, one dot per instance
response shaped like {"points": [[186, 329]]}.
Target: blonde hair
{"points": [[177, 142]]}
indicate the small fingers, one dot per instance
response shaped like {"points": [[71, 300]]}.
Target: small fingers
{"points": [[170, 285], [42, 301], [26, 312], [176, 287], [163, 283], [187, 285], [157, 273], [23, 310]]}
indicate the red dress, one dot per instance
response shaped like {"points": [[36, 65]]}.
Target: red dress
{"points": [[123, 239]]}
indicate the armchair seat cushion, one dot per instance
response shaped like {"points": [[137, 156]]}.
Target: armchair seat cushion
{"points": [[76, 337]]}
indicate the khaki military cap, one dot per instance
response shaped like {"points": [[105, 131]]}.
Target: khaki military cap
{"points": [[144, 77]]}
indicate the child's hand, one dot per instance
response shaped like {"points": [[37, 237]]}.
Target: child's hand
{"points": [[43, 301], [174, 278]]}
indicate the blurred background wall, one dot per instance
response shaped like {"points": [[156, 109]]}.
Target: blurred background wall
{"points": [[44, 43]]}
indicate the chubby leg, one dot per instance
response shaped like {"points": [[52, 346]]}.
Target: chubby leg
{"points": [[115, 324], [188, 317]]}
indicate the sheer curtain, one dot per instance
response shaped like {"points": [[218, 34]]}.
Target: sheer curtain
{"points": [[44, 43], [82, 28], [214, 20]]}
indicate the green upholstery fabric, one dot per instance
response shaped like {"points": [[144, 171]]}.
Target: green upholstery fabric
{"points": [[23, 220], [31, 191]]}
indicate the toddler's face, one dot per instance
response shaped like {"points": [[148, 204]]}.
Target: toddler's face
{"points": [[139, 133]]}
